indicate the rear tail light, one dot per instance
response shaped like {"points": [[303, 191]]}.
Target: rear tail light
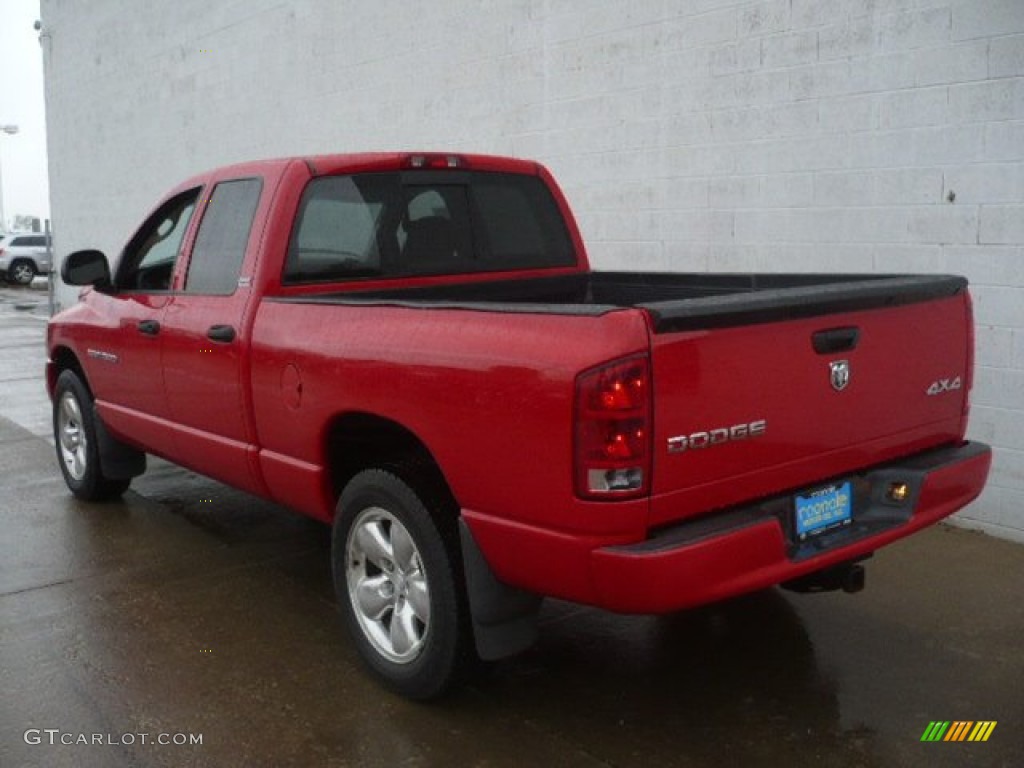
{"points": [[613, 430], [969, 373]]}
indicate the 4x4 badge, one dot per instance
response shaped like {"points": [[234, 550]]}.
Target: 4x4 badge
{"points": [[840, 374], [942, 385]]}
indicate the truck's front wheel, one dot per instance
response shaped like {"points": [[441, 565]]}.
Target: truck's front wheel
{"points": [[398, 585], [74, 432]]}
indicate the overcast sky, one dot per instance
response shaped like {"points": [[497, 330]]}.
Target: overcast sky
{"points": [[22, 156]]}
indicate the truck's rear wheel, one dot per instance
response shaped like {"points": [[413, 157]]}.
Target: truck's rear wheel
{"points": [[398, 585], [74, 432]]}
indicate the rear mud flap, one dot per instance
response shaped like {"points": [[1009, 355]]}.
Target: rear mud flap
{"points": [[504, 618]]}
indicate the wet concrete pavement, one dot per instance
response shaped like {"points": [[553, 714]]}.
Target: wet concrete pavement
{"points": [[190, 608]]}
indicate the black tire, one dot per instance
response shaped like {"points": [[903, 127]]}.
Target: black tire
{"points": [[440, 649], [21, 272], [74, 432]]}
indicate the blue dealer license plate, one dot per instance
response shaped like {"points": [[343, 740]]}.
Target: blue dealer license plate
{"points": [[823, 510]]}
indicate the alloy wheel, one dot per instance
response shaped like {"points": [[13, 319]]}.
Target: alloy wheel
{"points": [[387, 585], [70, 433]]}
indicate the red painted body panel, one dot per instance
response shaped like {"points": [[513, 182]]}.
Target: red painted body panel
{"points": [[136, 382], [719, 378], [207, 383], [491, 396], [468, 384]]}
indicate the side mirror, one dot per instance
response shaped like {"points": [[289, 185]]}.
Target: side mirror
{"points": [[86, 268]]}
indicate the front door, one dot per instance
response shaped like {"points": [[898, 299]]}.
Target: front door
{"points": [[125, 362]]}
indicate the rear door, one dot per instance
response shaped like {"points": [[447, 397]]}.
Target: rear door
{"points": [[753, 410], [205, 339]]}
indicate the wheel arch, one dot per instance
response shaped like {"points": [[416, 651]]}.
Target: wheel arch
{"points": [[504, 618], [358, 440], [62, 359], [119, 461]]}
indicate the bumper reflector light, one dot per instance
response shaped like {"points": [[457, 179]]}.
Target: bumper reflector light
{"points": [[898, 492]]}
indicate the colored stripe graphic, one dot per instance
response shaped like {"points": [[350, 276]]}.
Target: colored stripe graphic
{"points": [[935, 730], [982, 730], [959, 730]]}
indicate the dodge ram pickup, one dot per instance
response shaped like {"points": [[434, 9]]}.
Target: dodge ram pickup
{"points": [[414, 349]]}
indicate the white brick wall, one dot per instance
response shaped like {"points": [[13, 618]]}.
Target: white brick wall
{"points": [[689, 134]]}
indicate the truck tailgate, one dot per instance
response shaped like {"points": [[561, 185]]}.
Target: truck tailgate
{"points": [[758, 409]]}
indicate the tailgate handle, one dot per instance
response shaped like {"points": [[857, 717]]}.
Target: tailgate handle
{"points": [[222, 333], [835, 340]]}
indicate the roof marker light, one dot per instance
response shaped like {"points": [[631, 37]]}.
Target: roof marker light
{"points": [[434, 161]]}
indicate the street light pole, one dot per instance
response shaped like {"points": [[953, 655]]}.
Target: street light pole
{"points": [[10, 130]]}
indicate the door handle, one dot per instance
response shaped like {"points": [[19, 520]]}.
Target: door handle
{"points": [[835, 340], [222, 333], [149, 327]]}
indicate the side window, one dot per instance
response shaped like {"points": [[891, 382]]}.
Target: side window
{"points": [[149, 258], [223, 236]]}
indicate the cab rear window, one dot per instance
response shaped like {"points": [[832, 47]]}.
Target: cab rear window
{"points": [[425, 223]]}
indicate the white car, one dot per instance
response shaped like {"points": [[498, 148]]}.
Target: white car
{"points": [[23, 255]]}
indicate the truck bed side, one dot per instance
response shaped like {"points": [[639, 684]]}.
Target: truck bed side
{"points": [[491, 398]]}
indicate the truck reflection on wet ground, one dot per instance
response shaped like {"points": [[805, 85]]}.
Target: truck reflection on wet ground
{"points": [[710, 686]]}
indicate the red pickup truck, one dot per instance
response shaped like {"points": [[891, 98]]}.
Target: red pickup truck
{"points": [[413, 348]]}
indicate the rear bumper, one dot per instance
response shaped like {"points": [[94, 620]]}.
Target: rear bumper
{"points": [[731, 552], [752, 548]]}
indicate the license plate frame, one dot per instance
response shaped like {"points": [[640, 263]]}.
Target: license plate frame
{"points": [[822, 509]]}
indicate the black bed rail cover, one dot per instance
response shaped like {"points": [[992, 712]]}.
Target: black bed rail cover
{"points": [[674, 301], [767, 303]]}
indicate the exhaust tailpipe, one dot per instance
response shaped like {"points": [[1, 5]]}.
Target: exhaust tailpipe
{"points": [[853, 579], [848, 577]]}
